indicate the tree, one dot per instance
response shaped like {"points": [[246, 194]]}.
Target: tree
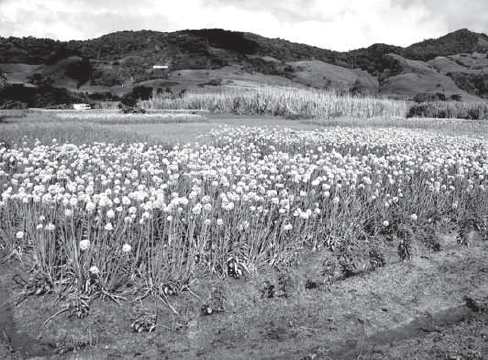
{"points": [[3, 81], [39, 80], [80, 70]]}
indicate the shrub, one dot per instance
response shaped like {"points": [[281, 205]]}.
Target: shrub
{"points": [[450, 109], [429, 97]]}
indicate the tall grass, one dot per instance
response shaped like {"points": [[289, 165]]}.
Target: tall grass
{"points": [[288, 102]]}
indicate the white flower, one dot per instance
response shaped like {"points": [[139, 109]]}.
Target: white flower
{"points": [[90, 206], [206, 199], [19, 235], [73, 202], [109, 227], [413, 217], [84, 244], [126, 248], [220, 222], [50, 227], [244, 225], [386, 223], [197, 209], [110, 214], [229, 206], [94, 270]]}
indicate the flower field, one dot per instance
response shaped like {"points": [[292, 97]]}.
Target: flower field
{"points": [[93, 218]]}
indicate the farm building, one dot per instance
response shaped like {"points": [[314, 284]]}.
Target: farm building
{"points": [[160, 67], [81, 107]]}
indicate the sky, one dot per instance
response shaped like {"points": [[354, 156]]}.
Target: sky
{"points": [[331, 24]]}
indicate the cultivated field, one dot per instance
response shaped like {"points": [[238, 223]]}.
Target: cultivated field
{"points": [[170, 203], [294, 103], [281, 101]]}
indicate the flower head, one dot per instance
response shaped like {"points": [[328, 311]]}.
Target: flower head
{"points": [[84, 244], [50, 227], [126, 248]]}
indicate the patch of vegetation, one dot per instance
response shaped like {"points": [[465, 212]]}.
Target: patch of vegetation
{"points": [[476, 84], [432, 97], [104, 77], [457, 42], [450, 110], [291, 103], [212, 82], [138, 93], [73, 132], [18, 96]]}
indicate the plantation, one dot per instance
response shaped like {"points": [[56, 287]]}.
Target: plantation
{"points": [[296, 104], [121, 221], [276, 101]]}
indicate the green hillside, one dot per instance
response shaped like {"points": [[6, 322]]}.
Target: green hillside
{"points": [[116, 63]]}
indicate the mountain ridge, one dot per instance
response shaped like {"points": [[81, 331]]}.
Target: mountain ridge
{"points": [[125, 59]]}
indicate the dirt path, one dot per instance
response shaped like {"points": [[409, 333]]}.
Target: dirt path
{"points": [[433, 307], [13, 336]]}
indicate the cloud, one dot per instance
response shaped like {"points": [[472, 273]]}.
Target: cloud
{"points": [[334, 25], [74, 20], [286, 10], [454, 14]]}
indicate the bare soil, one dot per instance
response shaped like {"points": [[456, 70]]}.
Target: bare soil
{"points": [[434, 306]]}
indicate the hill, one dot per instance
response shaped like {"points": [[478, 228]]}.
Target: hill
{"points": [[120, 61]]}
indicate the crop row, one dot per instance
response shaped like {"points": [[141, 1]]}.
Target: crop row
{"points": [[105, 215], [288, 102]]}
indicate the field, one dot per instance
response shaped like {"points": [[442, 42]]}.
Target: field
{"points": [[182, 235], [281, 101]]}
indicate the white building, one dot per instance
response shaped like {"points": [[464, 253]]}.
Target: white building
{"points": [[160, 67], [81, 107]]}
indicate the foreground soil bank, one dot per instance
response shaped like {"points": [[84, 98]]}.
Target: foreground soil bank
{"points": [[432, 307]]}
